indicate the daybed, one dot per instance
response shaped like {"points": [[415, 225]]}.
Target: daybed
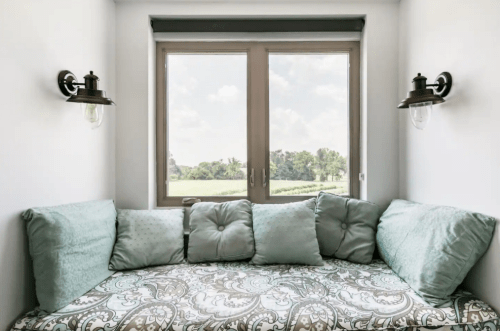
{"points": [[238, 296], [99, 269]]}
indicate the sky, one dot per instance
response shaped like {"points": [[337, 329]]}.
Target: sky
{"points": [[207, 104]]}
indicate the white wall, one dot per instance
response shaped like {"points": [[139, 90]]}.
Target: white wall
{"points": [[48, 155], [135, 186], [455, 160]]}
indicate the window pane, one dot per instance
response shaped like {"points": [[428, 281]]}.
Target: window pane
{"points": [[308, 114], [207, 124]]}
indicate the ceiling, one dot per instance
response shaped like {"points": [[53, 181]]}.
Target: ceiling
{"points": [[254, 1]]}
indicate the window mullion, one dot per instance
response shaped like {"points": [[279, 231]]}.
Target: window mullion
{"points": [[257, 123]]}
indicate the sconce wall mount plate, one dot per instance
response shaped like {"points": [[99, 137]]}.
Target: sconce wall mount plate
{"points": [[443, 82], [66, 81]]}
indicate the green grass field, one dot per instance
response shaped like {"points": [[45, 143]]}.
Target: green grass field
{"points": [[239, 187]]}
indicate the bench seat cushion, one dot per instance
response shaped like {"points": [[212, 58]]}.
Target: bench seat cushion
{"points": [[239, 296]]}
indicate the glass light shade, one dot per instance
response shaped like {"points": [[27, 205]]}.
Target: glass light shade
{"points": [[92, 113], [420, 114]]}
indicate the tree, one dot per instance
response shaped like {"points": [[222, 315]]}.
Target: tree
{"points": [[185, 170], [272, 169], [173, 168], [321, 162], [303, 165], [337, 166], [218, 169], [233, 170], [202, 171], [284, 165], [330, 163]]}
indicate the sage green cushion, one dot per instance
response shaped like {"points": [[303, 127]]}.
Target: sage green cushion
{"points": [[70, 246], [346, 227], [285, 233], [147, 238], [432, 247], [220, 231]]}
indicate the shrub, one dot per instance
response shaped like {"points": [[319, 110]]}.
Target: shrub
{"points": [[293, 188], [297, 191]]}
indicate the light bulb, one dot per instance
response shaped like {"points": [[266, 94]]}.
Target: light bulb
{"points": [[93, 113], [420, 114]]}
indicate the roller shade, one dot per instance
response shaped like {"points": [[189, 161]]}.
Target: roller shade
{"points": [[258, 25]]}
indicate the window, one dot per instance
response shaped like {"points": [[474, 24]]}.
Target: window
{"points": [[270, 122]]}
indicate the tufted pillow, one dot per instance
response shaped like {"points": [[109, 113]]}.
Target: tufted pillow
{"points": [[148, 237], [346, 227], [284, 233], [220, 231]]}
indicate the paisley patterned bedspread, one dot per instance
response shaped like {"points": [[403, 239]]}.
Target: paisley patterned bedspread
{"points": [[242, 297]]}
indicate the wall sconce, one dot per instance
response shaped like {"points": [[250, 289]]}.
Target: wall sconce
{"points": [[90, 98], [421, 99]]}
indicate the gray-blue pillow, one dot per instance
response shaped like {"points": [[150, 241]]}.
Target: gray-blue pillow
{"points": [[220, 231], [432, 247], [285, 233], [70, 246], [147, 238], [346, 227]]}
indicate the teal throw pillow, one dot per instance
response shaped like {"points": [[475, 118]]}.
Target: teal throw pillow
{"points": [[148, 238], [285, 234], [220, 231], [432, 247], [346, 227], [70, 246]]}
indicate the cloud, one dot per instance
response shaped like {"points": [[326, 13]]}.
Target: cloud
{"points": [[225, 94], [329, 63], [305, 64], [278, 82], [337, 93], [186, 125], [194, 137], [292, 131], [177, 89]]}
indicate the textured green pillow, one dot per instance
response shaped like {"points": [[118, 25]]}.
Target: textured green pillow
{"points": [[148, 237], [432, 247], [220, 231], [346, 227], [70, 246], [285, 233]]}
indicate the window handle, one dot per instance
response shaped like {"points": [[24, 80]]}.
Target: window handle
{"points": [[264, 178], [252, 178], [190, 201]]}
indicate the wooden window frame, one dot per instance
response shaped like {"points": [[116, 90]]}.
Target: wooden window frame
{"points": [[257, 111]]}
